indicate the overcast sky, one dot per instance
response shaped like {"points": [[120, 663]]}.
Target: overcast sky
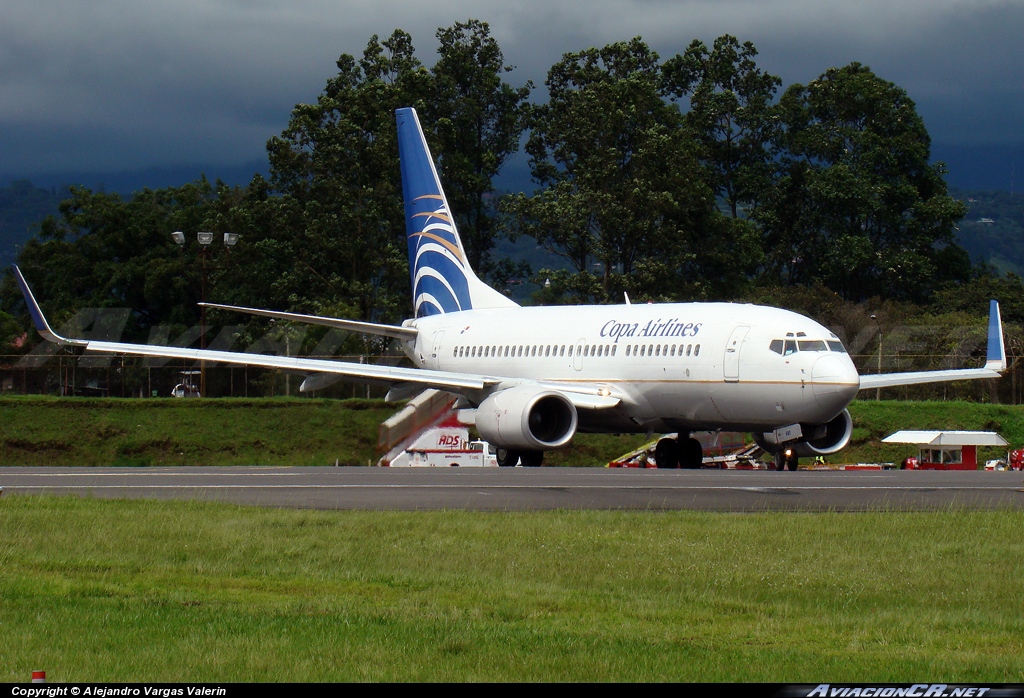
{"points": [[108, 85]]}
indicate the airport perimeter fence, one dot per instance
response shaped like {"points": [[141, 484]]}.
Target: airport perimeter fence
{"points": [[47, 369], [103, 375]]}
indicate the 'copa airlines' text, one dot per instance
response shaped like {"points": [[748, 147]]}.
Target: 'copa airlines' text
{"points": [[653, 328]]}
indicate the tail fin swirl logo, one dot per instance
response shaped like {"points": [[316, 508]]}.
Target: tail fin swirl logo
{"points": [[437, 260], [442, 280]]}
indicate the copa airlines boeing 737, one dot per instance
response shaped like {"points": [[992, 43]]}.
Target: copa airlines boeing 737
{"points": [[537, 375]]}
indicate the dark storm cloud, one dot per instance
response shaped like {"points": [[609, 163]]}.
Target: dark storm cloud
{"points": [[116, 84]]}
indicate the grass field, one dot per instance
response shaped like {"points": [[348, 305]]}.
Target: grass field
{"points": [[136, 432], [98, 590], [236, 431]]}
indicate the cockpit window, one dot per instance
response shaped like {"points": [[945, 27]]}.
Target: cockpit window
{"points": [[837, 346], [812, 345], [790, 347], [776, 346]]}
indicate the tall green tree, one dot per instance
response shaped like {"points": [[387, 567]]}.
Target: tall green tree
{"points": [[336, 231], [856, 204], [478, 119], [731, 114], [106, 252], [621, 184]]}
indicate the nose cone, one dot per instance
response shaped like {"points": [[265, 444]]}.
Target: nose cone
{"points": [[835, 381]]}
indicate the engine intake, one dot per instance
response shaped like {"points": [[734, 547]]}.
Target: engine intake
{"points": [[527, 419]]}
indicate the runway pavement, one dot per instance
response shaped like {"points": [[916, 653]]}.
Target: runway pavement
{"points": [[514, 489]]}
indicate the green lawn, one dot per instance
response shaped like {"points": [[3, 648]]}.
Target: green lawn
{"points": [[282, 431], [228, 431], [97, 590]]}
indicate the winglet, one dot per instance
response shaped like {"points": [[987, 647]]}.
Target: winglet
{"points": [[42, 326], [996, 359]]}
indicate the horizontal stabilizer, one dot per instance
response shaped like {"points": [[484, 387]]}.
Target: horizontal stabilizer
{"points": [[349, 325]]}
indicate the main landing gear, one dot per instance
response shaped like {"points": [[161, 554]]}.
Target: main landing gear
{"points": [[673, 453], [786, 459], [508, 458]]}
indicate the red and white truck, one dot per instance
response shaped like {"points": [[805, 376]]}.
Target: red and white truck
{"points": [[446, 447]]}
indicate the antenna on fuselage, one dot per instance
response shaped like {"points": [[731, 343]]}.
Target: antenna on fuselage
{"points": [[626, 296]]}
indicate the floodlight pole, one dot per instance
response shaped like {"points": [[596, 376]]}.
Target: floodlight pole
{"points": [[878, 391], [205, 240]]}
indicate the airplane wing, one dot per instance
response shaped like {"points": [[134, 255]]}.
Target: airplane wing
{"points": [[995, 362], [583, 397], [351, 325]]}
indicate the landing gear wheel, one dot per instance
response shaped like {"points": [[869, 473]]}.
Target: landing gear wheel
{"points": [[531, 459], [693, 454], [780, 460], [666, 453], [507, 458]]}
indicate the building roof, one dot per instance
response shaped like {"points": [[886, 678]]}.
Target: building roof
{"points": [[946, 438]]}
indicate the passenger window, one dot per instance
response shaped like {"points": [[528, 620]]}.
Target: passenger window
{"points": [[688, 348], [696, 350], [613, 350], [776, 346]]}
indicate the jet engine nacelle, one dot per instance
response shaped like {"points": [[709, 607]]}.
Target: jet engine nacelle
{"points": [[528, 419], [824, 439], [816, 439]]}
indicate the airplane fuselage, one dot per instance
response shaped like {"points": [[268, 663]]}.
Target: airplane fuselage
{"points": [[678, 366]]}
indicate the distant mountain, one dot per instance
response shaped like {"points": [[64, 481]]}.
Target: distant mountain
{"points": [[993, 229], [27, 201], [130, 181]]}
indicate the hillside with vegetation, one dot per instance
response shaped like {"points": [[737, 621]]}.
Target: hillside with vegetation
{"points": [[992, 231]]}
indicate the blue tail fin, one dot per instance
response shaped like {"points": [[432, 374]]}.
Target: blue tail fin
{"points": [[442, 280]]}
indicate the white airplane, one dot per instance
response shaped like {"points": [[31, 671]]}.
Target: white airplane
{"points": [[538, 375]]}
